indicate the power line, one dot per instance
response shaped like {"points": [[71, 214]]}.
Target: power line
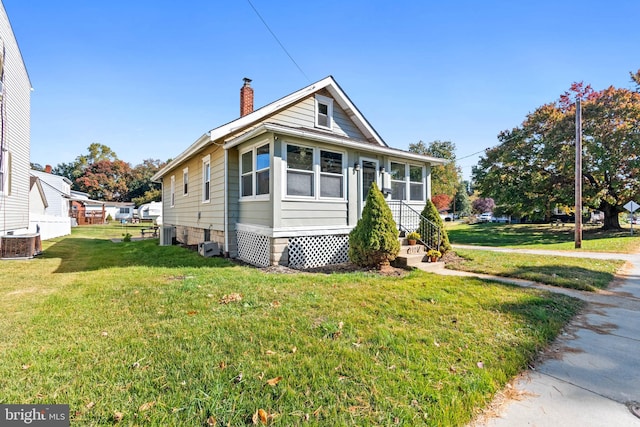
{"points": [[278, 40]]}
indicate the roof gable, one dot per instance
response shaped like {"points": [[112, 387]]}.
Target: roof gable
{"points": [[232, 129]]}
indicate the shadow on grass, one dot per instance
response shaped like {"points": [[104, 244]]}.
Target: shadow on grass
{"points": [[579, 278], [492, 234], [80, 254]]}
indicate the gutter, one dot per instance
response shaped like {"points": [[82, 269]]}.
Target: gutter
{"points": [[331, 139]]}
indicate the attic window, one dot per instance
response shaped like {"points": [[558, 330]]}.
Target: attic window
{"points": [[324, 112]]}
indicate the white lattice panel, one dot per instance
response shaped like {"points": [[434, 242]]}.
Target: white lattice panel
{"points": [[317, 251], [254, 248]]}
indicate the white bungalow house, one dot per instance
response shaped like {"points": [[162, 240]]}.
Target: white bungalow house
{"points": [[52, 219], [15, 106], [286, 183], [120, 211]]}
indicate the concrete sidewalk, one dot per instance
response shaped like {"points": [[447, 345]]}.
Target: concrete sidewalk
{"points": [[590, 376]]}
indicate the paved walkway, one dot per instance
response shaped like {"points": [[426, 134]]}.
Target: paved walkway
{"points": [[591, 373]]}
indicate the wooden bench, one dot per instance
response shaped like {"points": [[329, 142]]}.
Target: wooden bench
{"points": [[153, 231]]}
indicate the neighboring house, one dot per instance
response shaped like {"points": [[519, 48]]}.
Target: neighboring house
{"points": [[285, 184], [54, 220], [85, 211], [120, 211], [15, 93], [151, 211]]}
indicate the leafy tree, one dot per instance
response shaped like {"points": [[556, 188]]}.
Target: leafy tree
{"points": [[444, 178], [154, 195], [461, 202], [374, 240], [141, 186], [430, 213], [442, 201], [74, 170], [70, 171], [532, 170], [635, 77], [37, 167], [106, 180], [483, 204]]}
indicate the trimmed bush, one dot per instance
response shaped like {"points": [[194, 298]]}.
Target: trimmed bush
{"points": [[374, 240], [431, 213]]}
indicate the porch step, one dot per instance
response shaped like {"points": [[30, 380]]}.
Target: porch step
{"points": [[415, 256]]}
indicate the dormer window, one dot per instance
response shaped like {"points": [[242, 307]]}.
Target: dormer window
{"points": [[324, 112]]}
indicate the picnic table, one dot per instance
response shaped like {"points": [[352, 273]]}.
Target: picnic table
{"points": [[153, 231]]}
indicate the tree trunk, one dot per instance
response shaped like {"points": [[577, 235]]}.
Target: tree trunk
{"points": [[611, 212]]}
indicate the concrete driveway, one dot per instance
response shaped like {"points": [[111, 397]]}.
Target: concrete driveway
{"points": [[590, 376]]}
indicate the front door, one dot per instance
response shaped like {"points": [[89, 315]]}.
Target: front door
{"points": [[369, 169]]}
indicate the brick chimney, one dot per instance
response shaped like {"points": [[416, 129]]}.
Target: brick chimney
{"points": [[246, 98], [47, 168]]}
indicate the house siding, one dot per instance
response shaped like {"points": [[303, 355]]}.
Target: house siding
{"points": [[316, 213], [191, 210], [14, 206], [302, 114]]}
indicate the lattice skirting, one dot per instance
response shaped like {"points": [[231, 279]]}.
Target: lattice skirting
{"points": [[317, 251], [254, 248]]}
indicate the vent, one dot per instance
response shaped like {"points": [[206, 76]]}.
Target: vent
{"points": [[208, 249], [166, 235]]}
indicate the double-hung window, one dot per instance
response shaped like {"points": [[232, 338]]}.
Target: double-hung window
{"points": [[403, 177], [206, 178], [300, 175], [173, 190], [398, 181], [5, 173], [324, 112], [314, 173], [416, 183], [185, 181], [254, 171], [331, 178]]}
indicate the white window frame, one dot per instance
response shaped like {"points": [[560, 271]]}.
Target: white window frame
{"points": [[253, 149], [403, 180], [172, 191], [5, 176], [421, 182], [185, 181], [407, 180], [323, 100], [206, 189], [315, 172], [341, 175]]}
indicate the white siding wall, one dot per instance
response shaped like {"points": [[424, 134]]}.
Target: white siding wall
{"points": [[14, 206], [190, 210]]}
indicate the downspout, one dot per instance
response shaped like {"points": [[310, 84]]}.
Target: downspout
{"points": [[226, 203]]}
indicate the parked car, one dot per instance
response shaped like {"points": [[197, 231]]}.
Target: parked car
{"points": [[485, 217]]}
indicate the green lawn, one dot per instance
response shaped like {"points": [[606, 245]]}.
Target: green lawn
{"points": [[566, 272], [139, 334], [542, 236]]}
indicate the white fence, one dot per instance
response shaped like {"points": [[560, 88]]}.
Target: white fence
{"points": [[49, 226]]}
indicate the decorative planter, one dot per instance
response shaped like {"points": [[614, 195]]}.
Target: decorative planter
{"points": [[434, 259], [412, 242]]}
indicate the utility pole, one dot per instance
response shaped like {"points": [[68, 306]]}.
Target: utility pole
{"points": [[578, 215]]}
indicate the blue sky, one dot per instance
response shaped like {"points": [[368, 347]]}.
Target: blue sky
{"points": [[148, 77]]}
